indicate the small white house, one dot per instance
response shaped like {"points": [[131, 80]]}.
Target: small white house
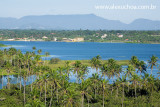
{"points": [[104, 36], [44, 37], [120, 36]]}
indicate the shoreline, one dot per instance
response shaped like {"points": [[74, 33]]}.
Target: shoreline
{"points": [[77, 42]]}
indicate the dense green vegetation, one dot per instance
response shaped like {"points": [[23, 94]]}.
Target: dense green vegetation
{"points": [[88, 35], [53, 89]]}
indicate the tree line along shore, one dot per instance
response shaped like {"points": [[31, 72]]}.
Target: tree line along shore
{"points": [[110, 86], [125, 36]]}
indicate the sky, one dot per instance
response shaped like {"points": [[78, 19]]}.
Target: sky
{"points": [[20, 8]]}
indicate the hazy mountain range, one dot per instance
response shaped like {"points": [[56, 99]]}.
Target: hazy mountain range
{"points": [[75, 22]]}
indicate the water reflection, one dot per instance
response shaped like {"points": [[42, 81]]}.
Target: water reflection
{"points": [[14, 79]]}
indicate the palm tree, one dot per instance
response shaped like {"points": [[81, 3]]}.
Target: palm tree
{"points": [[24, 75], [68, 67], [145, 80], [89, 90], [123, 82], [95, 80], [83, 91], [2, 79], [77, 66], [34, 48], [54, 77], [151, 83], [130, 71], [12, 51], [39, 51], [20, 63], [8, 66], [45, 79], [82, 72], [70, 98], [141, 67], [153, 62], [135, 80], [103, 85], [134, 60], [37, 59], [112, 69], [95, 62], [46, 54]]}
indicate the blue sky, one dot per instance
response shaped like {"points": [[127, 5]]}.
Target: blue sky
{"points": [[20, 8]]}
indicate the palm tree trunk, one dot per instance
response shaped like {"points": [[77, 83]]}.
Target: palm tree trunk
{"points": [[8, 82], [17, 78], [135, 90], [112, 87], [117, 93], [103, 97], [40, 93], [51, 98], [20, 79], [45, 93], [128, 86], [57, 94], [123, 95], [82, 100], [2, 79], [88, 102], [31, 83], [95, 92], [24, 91]]}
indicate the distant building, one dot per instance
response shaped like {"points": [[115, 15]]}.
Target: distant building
{"points": [[54, 39], [78, 39], [120, 36], [40, 40], [52, 33], [44, 37], [73, 40], [10, 39], [104, 36]]}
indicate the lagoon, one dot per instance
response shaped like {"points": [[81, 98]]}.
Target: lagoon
{"points": [[87, 50]]}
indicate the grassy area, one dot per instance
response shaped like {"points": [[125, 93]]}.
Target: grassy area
{"points": [[85, 62], [45, 56], [61, 63], [2, 45]]}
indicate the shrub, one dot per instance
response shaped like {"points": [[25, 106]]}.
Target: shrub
{"points": [[54, 60]]}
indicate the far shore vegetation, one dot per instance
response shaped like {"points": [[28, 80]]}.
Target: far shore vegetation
{"points": [[111, 36]]}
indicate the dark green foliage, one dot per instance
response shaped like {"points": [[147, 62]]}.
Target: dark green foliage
{"points": [[54, 60], [53, 88]]}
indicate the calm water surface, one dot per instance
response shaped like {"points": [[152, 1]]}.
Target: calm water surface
{"points": [[87, 50]]}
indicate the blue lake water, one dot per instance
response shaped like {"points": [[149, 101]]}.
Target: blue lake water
{"points": [[87, 50]]}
